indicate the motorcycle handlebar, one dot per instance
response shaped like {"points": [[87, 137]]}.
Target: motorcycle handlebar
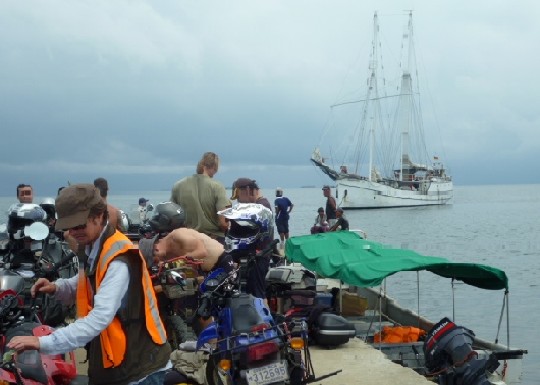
{"points": [[69, 255], [268, 249]]}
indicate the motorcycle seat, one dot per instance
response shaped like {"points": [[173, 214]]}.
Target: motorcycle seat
{"points": [[29, 362]]}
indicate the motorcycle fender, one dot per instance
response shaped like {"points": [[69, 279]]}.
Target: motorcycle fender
{"points": [[208, 334], [224, 377], [42, 330]]}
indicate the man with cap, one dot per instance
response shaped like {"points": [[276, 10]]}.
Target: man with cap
{"points": [[143, 210], [246, 190], [331, 205], [283, 207], [117, 317]]}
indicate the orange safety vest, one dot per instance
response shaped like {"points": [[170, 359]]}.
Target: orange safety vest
{"points": [[398, 334], [113, 339]]}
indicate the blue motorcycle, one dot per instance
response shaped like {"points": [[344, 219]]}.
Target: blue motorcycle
{"points": [[247, 345]]}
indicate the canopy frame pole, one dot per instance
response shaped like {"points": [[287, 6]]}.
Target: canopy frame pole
{"points": [[418, 296], [507, 295], [453, 300], [340, 299]]}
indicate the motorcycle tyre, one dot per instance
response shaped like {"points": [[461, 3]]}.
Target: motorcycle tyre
{"points": [[176, 330], [212, 376], [79, 380], [296, 375]]}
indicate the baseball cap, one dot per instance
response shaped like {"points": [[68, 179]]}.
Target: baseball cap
{"points": [[73, 205], [143, 200], [241, 183]]}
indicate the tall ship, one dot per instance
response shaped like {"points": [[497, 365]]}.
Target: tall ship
{"points": [[383, 160]]}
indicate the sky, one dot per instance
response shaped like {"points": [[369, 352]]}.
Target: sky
{"points": [[136, 91]]}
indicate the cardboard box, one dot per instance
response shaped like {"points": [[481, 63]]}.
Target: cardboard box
{"points": [[353, 304]]}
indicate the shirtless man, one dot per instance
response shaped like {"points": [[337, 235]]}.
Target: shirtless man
{"points": [[180, 241], [191, 243], [173, 240]]}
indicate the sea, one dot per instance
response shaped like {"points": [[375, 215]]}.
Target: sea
{"points": [[496, 225]]}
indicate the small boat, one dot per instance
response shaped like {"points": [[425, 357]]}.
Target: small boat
{"points": [[364, 265], [383, 161]]}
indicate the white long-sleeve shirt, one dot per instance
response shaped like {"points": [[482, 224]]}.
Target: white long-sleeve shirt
{"points": [[107, 301]]}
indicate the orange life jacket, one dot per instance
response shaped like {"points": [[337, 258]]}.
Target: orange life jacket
{"points": [[113, 338], [398, 334]]}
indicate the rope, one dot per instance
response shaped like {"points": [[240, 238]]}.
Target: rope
{"points": [[501, 316]]}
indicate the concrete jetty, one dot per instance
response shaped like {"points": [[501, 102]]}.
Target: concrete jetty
{"points": [[361, 364]]}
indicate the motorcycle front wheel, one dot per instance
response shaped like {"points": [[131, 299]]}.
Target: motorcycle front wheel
{"points": [[176, 330], [212, 375]]}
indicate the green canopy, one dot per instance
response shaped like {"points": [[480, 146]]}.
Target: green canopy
{"points": [[344, 255]]}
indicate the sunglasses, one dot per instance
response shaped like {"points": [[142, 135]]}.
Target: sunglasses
{"points": [[80, 227]]}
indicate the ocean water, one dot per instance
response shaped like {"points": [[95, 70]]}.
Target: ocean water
{"points": [[494, 225]]}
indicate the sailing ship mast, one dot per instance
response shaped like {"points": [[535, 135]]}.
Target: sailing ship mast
{"points": [[373, 66], [405, 102]]}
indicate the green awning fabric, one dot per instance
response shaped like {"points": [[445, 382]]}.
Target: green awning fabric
{"points": [[344, 255]]}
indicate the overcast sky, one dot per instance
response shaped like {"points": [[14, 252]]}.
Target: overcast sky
{"points": [[136, 91]]}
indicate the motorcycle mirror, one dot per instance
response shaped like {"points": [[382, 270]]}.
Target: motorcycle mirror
{"points": [[38, 231], [177, 277]]}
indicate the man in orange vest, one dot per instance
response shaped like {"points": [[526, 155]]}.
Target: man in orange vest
{"points": [[117, 312]]}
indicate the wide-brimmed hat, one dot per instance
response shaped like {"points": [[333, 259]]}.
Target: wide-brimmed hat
{"points": [[74, 203]]}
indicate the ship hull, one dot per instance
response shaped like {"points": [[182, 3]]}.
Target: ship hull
{"points": [[365, 194]]}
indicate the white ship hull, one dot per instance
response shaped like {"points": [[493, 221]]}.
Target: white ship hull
{"points": [[365, 194]]}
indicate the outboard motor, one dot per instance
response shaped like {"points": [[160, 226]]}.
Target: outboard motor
{"points": [[449, 355]]}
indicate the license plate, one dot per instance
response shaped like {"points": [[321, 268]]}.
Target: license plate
{"points": [[268, 374]]}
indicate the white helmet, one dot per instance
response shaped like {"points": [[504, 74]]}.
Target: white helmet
{"points": [[48, 205], [250, 224], [21, 215]]}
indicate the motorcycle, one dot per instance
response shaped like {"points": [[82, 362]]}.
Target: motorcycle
{"points": [[18, 318], [177, 297], [245, 344], [32, 249], [295, 287]]}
